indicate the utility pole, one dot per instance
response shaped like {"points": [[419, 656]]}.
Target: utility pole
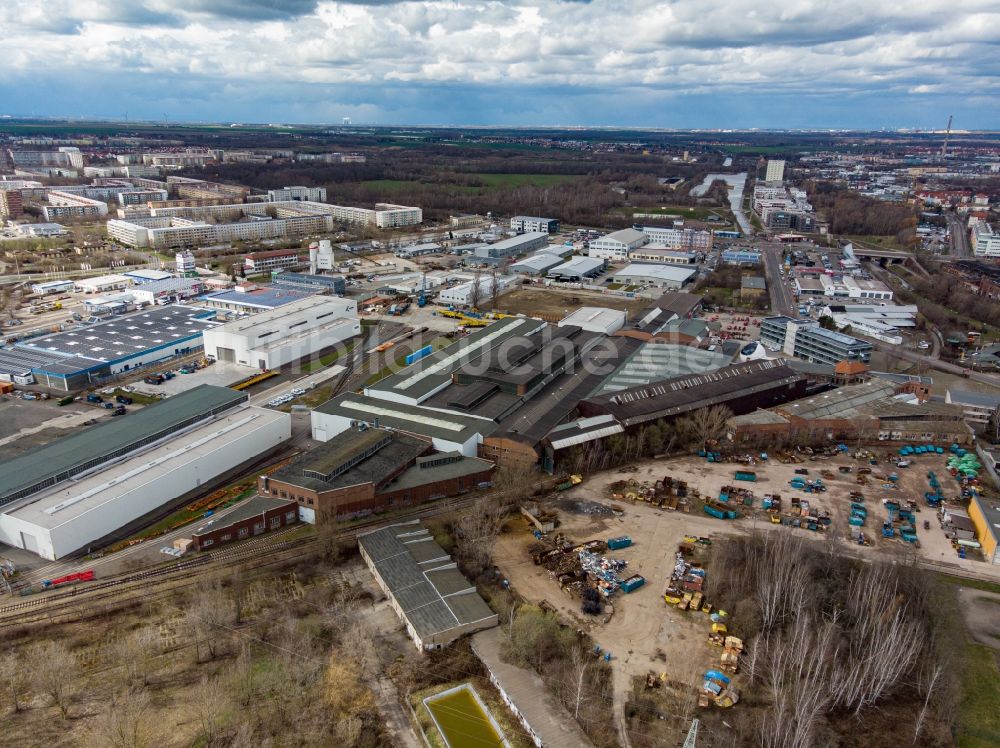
{"points": [[692, 737]]}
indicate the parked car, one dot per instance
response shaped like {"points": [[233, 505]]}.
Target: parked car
{"points": [[298, 392]]}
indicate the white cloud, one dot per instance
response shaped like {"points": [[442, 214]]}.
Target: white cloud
{"points": [[685, 46]]}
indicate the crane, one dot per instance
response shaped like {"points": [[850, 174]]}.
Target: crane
{"points": [[947, 134]]}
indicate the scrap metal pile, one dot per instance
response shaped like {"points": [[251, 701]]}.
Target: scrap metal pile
{"points": [[666, 493]]}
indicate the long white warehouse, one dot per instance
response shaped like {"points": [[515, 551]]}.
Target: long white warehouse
{"points": [[83, 488], [286, 333]]}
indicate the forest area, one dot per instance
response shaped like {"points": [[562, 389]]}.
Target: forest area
{"points": [[577, 187], [848, 212]]}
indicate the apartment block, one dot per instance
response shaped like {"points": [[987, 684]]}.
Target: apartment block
{"points": [[70, 205], [314, 194]]}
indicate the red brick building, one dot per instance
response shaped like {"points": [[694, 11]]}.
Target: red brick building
{"points": [[253, 517], [362, 472]]}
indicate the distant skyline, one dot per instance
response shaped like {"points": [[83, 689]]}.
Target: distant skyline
{"points": [[740, 64]]}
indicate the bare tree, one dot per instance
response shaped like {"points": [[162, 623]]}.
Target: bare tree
{"points": [[932, 677], [494, 289], [475, 291], [14, 676], [576, 676], [128, 722], [210, 704], [136, 653], [208, 614], [54, 673], [478, 530]]}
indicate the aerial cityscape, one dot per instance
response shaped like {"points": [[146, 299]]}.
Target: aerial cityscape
{"points": [[425, 376]]}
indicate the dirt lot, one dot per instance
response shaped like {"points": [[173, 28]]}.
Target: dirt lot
{"points": [[558, 302], [980, 610]]}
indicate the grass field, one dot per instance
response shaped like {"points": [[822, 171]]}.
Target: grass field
{"points": [[979, 718], [494, 181]]}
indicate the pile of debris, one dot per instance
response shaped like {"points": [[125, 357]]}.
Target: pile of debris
{"points": [[684, 589], [666, 493], [606, 572]]}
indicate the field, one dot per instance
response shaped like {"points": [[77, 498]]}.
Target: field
{"points": [[490, 182], [552, 302]]}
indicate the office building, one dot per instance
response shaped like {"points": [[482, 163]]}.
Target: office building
{"points": [[984, 240], [775, 170], [617, 245], [288, 333], [524, 224], [805, 339], [78, 492], [679, 238]]}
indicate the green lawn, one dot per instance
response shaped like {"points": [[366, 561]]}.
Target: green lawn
{"points": [[323, 361], [978, 714]]}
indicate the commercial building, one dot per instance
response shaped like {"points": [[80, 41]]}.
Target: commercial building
{"points": [[309, 282], [740, 257], [661, 276], [805, 339], [523, 224], [51, 287], [254, 516], [984, 240], [366, 470], [248, 298], [167, 291], [46, 230], [313, 194], [419, 250], [663, 256], [79, 491], [578, 269], [262, 262], [147, 275], [64, 204], [103, 283], [977, 407], [775, 170], [617, 245], [88, 354], [286, 334], [752, 287], [537, 264], [513, 247], [880, 321], [184, 263], [423, 585], [679, 238], [985, 515]]}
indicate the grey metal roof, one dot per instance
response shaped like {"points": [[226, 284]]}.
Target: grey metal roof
{"points": [[255, 506], [656, 361], [418, 476], [123, 337], [426, 585], [975, 399], [83, 450], [413, 419]]}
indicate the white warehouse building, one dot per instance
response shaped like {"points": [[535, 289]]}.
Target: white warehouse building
{"points": [[671, 277], [286, 333], [79, 491]]}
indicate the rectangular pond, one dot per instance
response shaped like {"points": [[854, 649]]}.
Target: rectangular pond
{"points": [[463, 720]]}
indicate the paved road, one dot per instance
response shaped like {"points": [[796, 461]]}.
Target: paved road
{"points": [[782, 300], [959, 236]]}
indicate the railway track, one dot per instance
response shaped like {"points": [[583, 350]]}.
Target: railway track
{"points": [[257, 553]]}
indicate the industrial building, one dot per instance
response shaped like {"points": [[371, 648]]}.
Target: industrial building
{"points": [[463, 295], [146, 275], [515, 246], [661, 276], [79, 490], [310, 282], [977, 407], [985, 515], [167, 291], [84, 355], [365, 470], [288, 333], [654, 362], [254, 516], [423, 585], [805, 339], [663, 255], [740, 257], [249, 298], [524, 224], [578, 269], [102, 283], [537, 264], [595, 319], [52, 287], [617, 245]]}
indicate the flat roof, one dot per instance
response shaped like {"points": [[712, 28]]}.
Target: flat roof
{"points": [[753, 281], [594, 315], [420, 475], [975, 399], [676, 273], [68, 501], [258, 297], [540, 262], [625, 236], [414, 419], [74, 453], [991, 513], [842, 402], [122, 337], [577, 266], [287, 316], [432, 594]]}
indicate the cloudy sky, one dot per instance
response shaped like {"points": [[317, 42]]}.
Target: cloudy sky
{"points": [[654, 63]]}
